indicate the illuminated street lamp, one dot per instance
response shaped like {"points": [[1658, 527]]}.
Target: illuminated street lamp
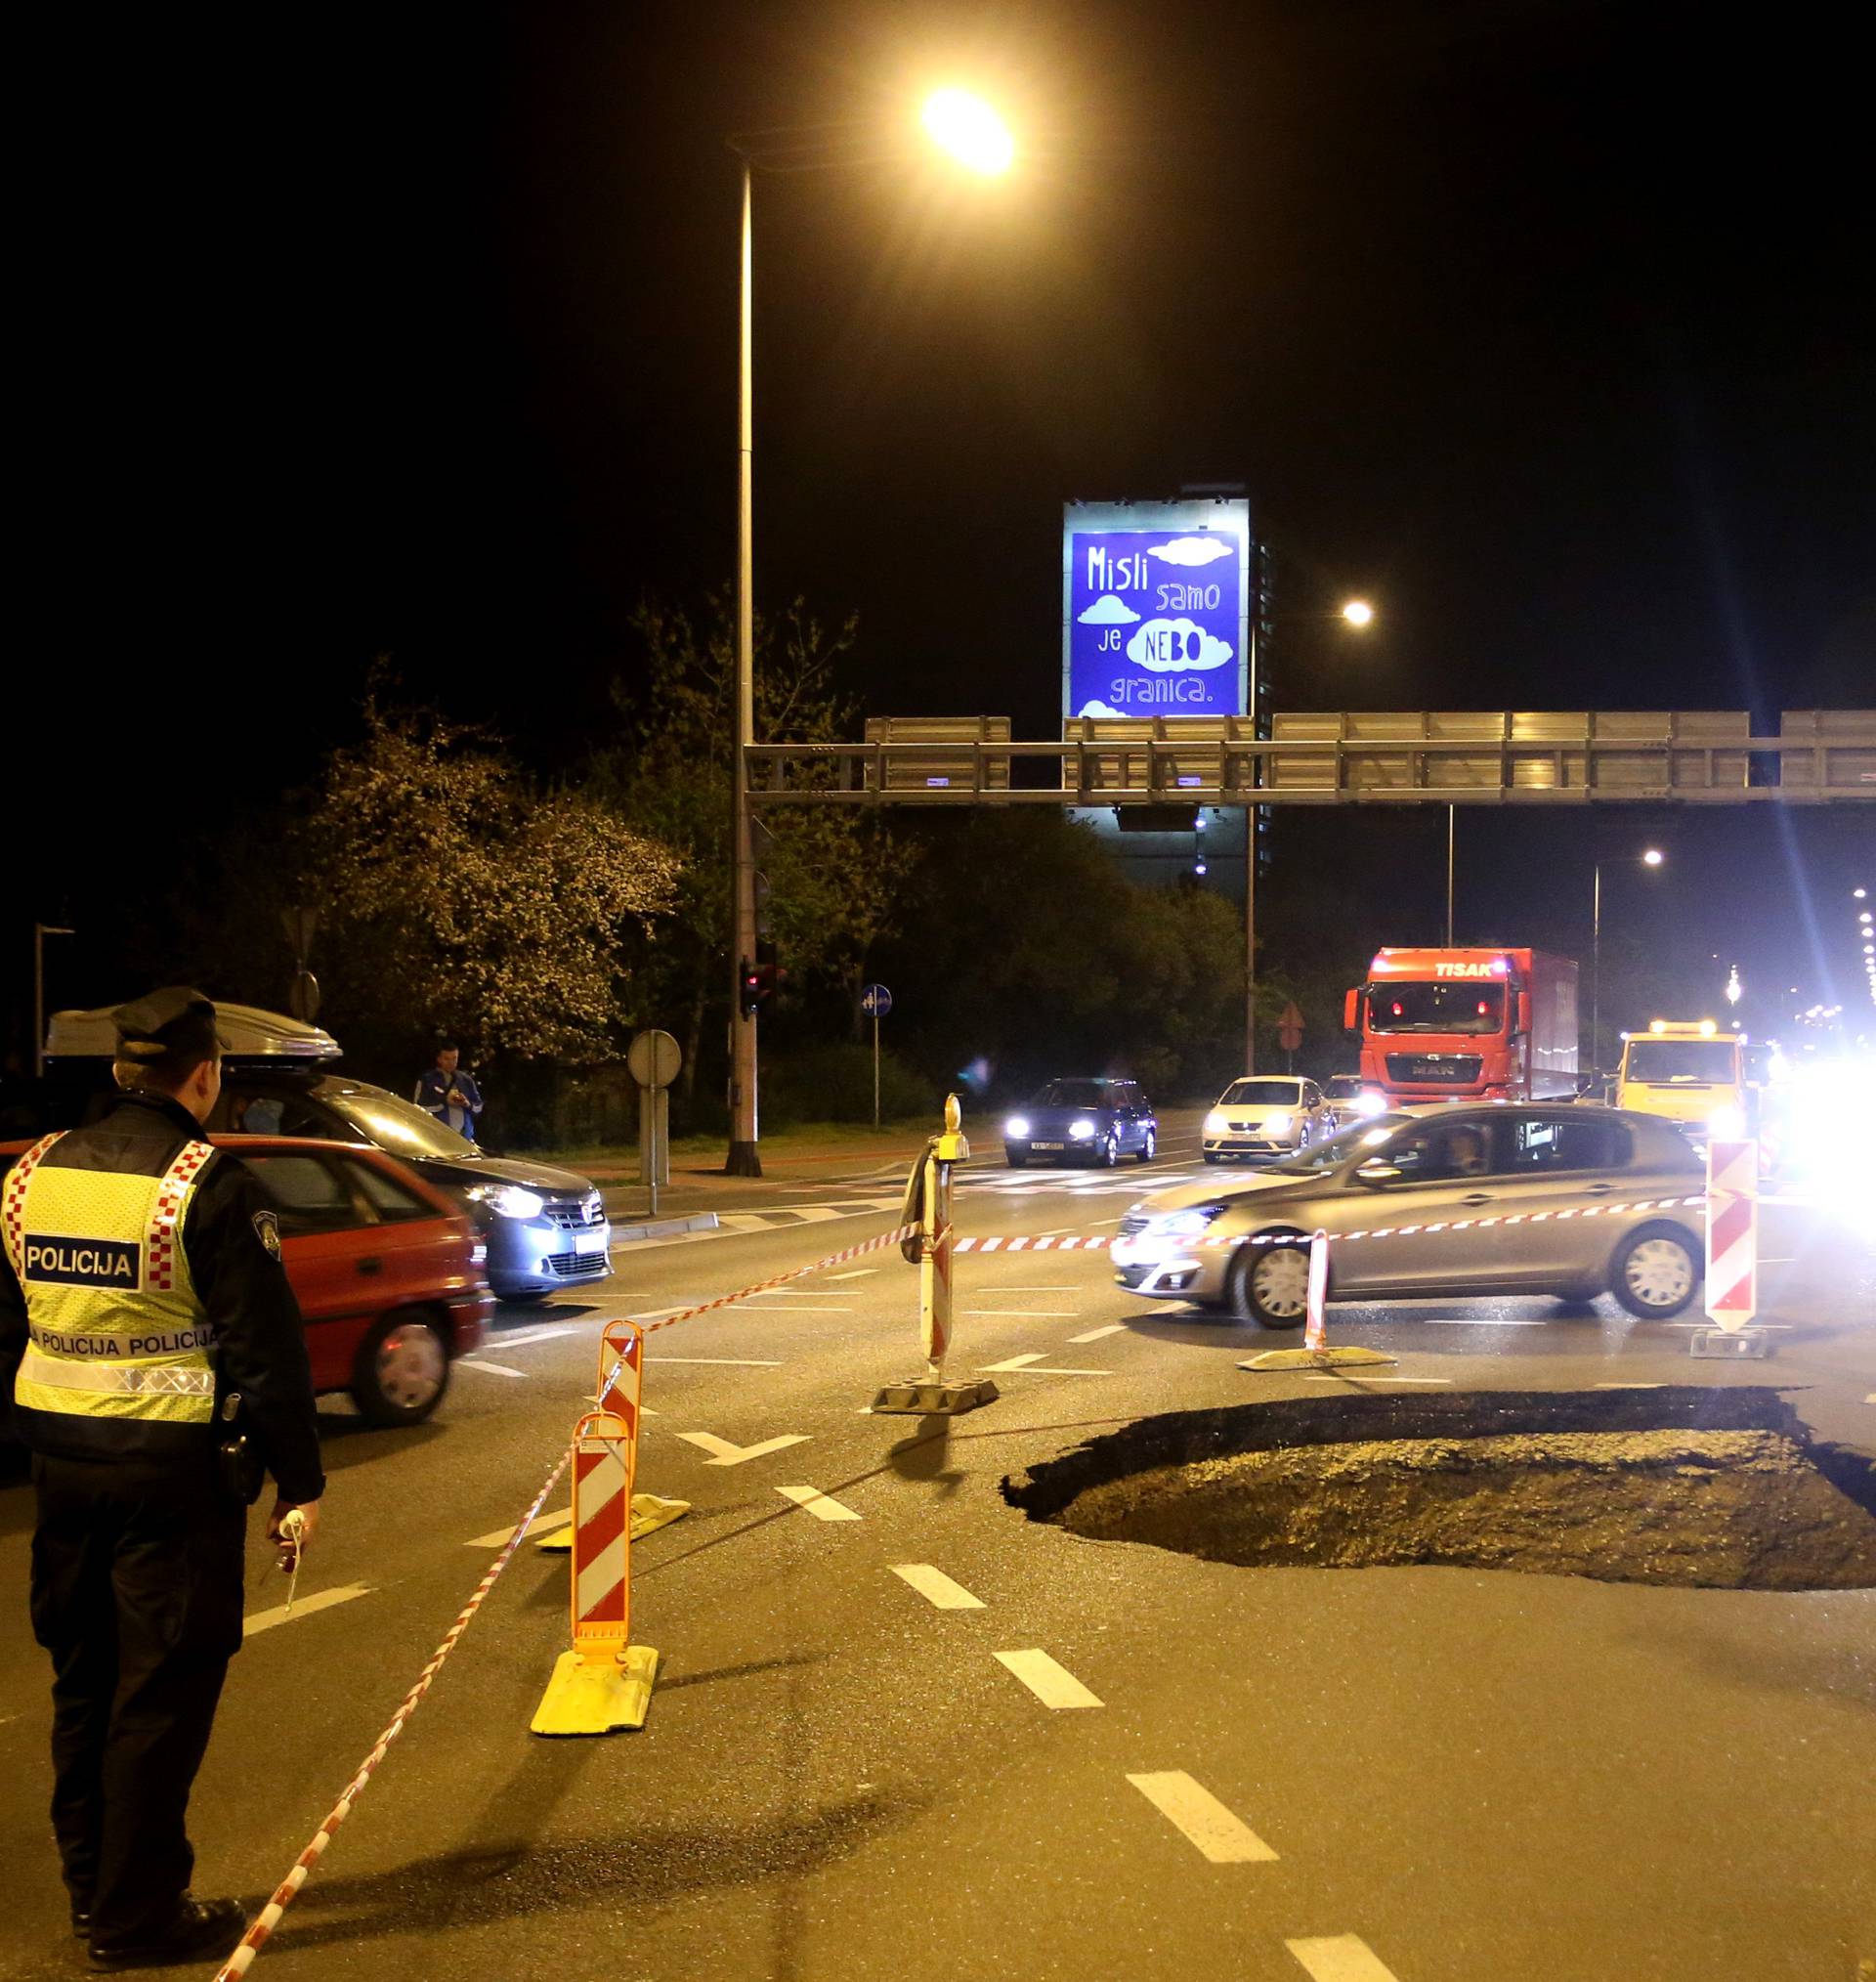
{"points": [[970, 131], [1358, 612], [1734, 989], [1651, 857]]}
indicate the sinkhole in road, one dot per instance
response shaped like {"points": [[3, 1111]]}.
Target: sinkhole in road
{"points": [[1716, 1488]]}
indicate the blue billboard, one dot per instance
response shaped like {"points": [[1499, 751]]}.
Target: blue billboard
{"points": [[1156, 608]]}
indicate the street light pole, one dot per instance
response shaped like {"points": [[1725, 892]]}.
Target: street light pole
{"points": [[744, 1158], [1596, 973]]}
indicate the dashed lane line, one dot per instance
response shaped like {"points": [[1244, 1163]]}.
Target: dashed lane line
{"points": [[494, 1368], [1095, 1334], [997, 1287], [1217, 1832], [1034, 1366], [1473, 1321], [750, 1308], [498, 1537], [723, 1453], [1053, 1684], [822, 1506], [303, 1607], [520, 1338], [1341, 1957], [937, 1588], [721, 1362], [1014, 1362], [1021, 1314]]}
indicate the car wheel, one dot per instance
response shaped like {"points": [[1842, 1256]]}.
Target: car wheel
{"points": [[1149, 1146], [1109, 1153], [1212, 1156], [1271, 1284], [400, 1372], [1656, 1272], [1016, 1158]]}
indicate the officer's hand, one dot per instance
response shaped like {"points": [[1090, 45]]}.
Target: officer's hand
{"points": [[309, 1511]]}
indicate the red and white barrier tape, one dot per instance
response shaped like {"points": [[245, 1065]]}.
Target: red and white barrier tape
{"points": [[269, 1917]]}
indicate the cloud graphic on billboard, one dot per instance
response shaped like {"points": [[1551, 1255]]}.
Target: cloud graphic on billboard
{"points": [[1096, 706], [1172, 646], [1193, 550], [1108, 611]]}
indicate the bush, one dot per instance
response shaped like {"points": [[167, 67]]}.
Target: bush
{"points": [[835, 1084]]}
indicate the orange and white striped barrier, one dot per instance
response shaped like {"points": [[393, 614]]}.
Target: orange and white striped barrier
{"points": [[1316, 1353], [604, 1683], [1733, 1253], [1317, 1297]]}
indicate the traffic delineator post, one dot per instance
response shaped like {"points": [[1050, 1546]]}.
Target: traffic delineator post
{"points": [[1316, 1353], [1733, 1254], [929, 1196], [604, 1683], [621, 1375]]}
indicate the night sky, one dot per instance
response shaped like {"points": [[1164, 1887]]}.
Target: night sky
{"points": [[1547, 327]]}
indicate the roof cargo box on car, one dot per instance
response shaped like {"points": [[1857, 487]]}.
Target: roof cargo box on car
{"points": [[247, 1033]]}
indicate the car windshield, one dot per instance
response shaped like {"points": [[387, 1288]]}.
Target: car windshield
{"points": [[1363, 1136], [1261, 1095], [1660, 1061], [395, 1124], [1072, 1094], [1343, 1086], [1436, 1007]]}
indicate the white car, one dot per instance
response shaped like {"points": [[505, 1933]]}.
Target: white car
{"points": [[1266, 1115]]}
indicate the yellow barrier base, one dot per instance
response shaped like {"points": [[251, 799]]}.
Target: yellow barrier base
{"points": [[599, 1698], [649, 1515], [926, 1398], [1316, 1358]]}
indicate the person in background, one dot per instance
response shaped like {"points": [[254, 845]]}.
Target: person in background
{"points": [[451, 1095]]}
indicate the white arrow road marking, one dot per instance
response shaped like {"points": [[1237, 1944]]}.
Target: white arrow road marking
{"points": [[494, 1368], [1095, 1334], [723, 1453], [1034, 1366], [320, 1600], [1220, 1834], [822, 1506], [1053, 1684], [498, 1537], [1341, 1957], [937, 1588]]}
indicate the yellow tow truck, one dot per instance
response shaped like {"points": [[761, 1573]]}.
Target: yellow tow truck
{"points": [[1690, 1071]]}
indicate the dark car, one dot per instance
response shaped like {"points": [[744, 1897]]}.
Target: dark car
{"points": [[544, 1228], [1101, 1120]]}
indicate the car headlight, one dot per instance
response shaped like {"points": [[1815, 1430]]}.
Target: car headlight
{"points": [[1726, 1123], [1214, 1122], [1081, 1131], [1187, 1224], [1368, 1102], [508, 1200], [1277, 1125], [1017, 1126]]}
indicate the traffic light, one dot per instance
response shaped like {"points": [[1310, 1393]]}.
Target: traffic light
{"points": [[756, 981]]}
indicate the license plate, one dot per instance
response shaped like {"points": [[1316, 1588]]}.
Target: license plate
{"points": [[1048, 1146], [590, 1243]]}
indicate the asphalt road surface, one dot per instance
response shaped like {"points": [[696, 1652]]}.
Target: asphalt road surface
{"points": [[900, 1731]]}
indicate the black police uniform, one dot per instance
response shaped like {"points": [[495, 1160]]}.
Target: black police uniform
{"points": [[137, 1557]]}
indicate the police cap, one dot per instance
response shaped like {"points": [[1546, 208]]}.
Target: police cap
{"points": [[174, 1020]]}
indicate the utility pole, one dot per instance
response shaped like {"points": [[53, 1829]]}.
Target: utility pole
{"points": [[744, 1158]]}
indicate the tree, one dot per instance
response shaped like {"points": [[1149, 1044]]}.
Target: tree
{"points": [[478, 902], [831, 878]]}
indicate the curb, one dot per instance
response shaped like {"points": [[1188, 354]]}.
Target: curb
{"points": [[664, 1227]]}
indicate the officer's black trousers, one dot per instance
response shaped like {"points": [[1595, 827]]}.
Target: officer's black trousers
{"points": [[137, 1595]]}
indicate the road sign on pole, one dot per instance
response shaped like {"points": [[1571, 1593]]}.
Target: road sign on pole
{"points": [[1290, 1029], [654, 1060], [875, 1001]]}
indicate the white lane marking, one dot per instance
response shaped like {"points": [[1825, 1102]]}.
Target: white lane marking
{"points": [[1341, 1957], [1095, 1334], [996, 1287], [1014, 1362], [1097, 1222], [749, 1307], [523, 1336], [1218, 1834], [1470, 1322], [822, 1506], [498, 1537], [1871, 1398], [1049, 1369], [1784, 1327], [304, 1607], [494, 1368], [723, 1453], [1053, 1684], [726, 1361], [937, 1588], [1021, 1314], [787, 1294], [1322, 1377], [856, 1274]]}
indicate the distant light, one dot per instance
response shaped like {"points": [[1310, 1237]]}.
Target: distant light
{"points": [[1734, 989], [968, 129], [1653, 857], [1858, 893], [1198, 867], [1358, 612], [1187, 782]]}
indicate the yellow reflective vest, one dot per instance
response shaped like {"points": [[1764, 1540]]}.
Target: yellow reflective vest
{"points": [[114, 1326]]}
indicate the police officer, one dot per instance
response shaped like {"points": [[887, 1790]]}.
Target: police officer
{"points": [[145, 1322]]}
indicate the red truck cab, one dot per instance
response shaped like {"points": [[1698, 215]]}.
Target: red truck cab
{"points": [[1450, 1025]]}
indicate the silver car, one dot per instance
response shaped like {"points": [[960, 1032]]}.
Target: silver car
{"points": [[1540, 1198]]}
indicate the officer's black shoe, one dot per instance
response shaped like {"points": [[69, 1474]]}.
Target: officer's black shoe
{"points": [[200, 1928]]}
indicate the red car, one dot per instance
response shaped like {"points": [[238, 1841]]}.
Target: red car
{"points": [[389, 1274]]}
